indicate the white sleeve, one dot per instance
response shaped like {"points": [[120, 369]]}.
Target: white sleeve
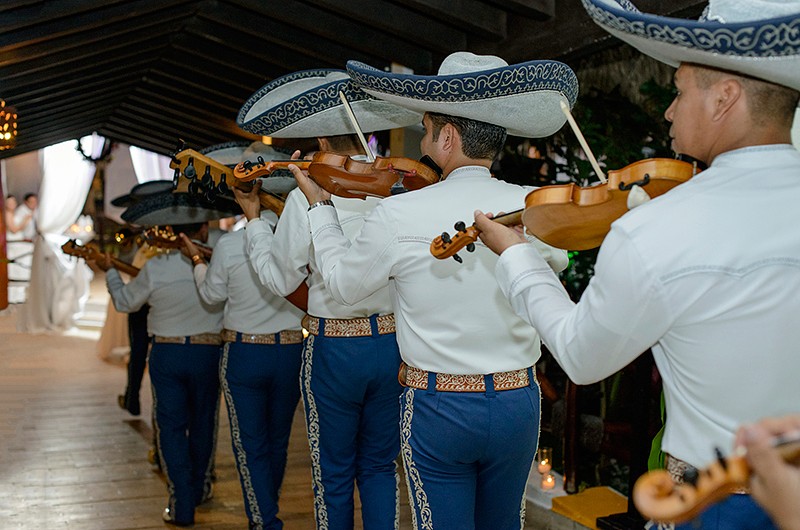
{"points": [[131, 296], [212, 279], [281, 259], [352, 272], [621, 313]]}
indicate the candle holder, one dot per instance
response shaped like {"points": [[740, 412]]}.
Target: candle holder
{"points": [[548, 481], [544, 461]]}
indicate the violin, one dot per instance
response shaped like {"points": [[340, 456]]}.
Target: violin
{"points": [[342, 176], [657, 496], [444, 246], [91, 252], [208, 179], [571, 217]]}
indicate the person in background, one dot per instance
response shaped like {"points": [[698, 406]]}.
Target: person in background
{"points": [[15, 225], [26, 215]]}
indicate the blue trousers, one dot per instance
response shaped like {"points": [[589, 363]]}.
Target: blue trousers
{"points": [[261, 391], [467, 456], [185, 382], [737, 512], [350, 393]]}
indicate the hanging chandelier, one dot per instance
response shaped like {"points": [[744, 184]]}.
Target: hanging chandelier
{"points": [[8, 126]]}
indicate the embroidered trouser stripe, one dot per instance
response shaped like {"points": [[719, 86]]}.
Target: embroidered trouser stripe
{"points": [[261, 391], [350, 393], [467, 456]]}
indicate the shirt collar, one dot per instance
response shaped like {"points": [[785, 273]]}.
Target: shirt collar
{"points": [[468, 172]]}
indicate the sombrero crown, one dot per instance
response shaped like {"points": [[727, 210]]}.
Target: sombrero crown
{"points": [[306, 104], [759, 38], [523, 98]]}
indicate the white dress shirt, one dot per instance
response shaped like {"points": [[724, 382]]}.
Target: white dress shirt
{"points": [[249, 306], [708, 275], [167, 284], [451, 317], [284, 259]]}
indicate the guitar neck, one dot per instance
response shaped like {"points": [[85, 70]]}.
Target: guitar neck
{"points": [[127, 268]]}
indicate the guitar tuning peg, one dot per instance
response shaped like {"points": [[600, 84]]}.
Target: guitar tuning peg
{"points": [[446, 238], [222, 187], [190, 172], [194, 188], [176, 176], [458, 258], [207, 180], [460, 226], [471, 247]]}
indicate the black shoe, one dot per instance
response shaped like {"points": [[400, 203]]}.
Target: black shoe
{"points": [[133, 408], [169, 519]]}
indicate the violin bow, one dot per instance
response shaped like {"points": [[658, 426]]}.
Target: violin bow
{"points": [[359, 132], [574, 125]]}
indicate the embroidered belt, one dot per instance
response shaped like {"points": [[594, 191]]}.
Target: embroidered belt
{"points": [[676, 469], [349, 327], [289, 336], [200, 338], [416, 378]]}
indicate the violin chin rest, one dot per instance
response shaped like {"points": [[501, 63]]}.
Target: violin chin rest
{"points": [[637, 196]]}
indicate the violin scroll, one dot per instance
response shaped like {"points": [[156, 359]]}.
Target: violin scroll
{"points": [[445, 246], [658, 497]]}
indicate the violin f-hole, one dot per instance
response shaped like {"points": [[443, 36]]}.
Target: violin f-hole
{"points": [[641, 183]]}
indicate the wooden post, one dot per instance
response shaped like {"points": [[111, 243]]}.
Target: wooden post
{"points": [[3, 254]]}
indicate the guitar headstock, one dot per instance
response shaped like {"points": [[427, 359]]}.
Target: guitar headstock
{"points": [[202, 176], [88, 251], [162, 237], [445, 246]]}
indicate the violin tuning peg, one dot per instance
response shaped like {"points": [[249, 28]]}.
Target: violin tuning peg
{"points": [[446, 238], [690, 476], [460, 226], [471, 247], [458, 258], [720, 458]]}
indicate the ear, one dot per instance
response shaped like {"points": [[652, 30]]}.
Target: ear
{"points": [[324, 144], [727, 93], [449, 137]]}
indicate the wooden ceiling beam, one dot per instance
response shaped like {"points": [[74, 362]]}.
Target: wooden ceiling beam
{"points": [[203, 86], [308, 21], [156, 110], [472, 16], [400, 22], [65, 18], [535, 9]]}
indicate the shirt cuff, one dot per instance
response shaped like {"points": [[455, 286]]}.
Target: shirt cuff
{"points": [[322, 217], [517, 262]]}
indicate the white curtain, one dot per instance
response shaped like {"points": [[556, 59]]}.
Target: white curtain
{"points": [[59, 283], [149, 165]]}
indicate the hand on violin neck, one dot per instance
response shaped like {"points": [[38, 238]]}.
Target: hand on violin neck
{"points": [[313, 192], [496, 236], [104, 262], [188, 249], [248, 200]]}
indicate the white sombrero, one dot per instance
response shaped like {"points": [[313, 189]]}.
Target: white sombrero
{"points": [[523, 98], [306, 104], [759, 38]]}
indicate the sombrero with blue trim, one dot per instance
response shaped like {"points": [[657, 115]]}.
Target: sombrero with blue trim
{"points": [[758, 38], [524, 98], [306, 104]]}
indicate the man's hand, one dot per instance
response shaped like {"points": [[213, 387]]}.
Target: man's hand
{"points": [[248, 200], [189, 249], [496, 236], [104, 263], [312, 190]]}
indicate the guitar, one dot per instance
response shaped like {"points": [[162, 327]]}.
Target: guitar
{"points": [[657, 496], [165, 238], [90, 252], [211, 180]]}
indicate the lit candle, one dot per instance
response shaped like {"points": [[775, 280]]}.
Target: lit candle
{"points": [[548, 482], [545, 460]]}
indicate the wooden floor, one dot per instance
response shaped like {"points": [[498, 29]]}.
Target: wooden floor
{"points": [[71, 458]]}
